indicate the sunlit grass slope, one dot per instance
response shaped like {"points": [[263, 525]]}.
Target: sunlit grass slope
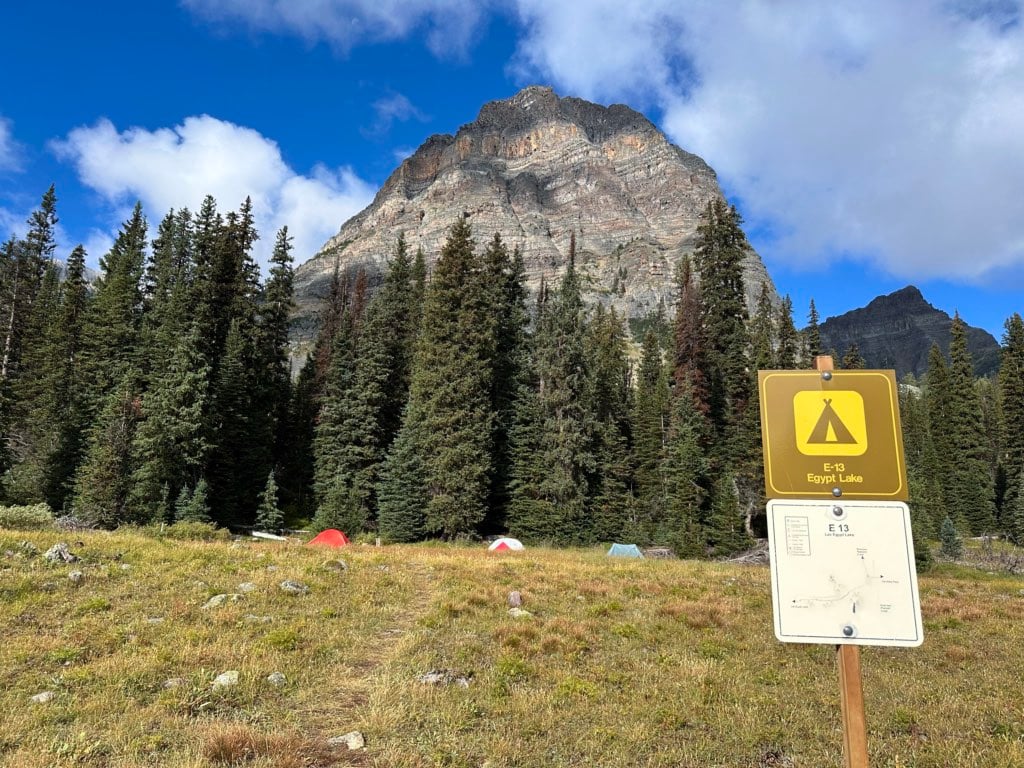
{"points": [[620, 662]]}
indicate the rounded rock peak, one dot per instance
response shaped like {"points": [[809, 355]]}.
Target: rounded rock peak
{"points": [[538, 104]]}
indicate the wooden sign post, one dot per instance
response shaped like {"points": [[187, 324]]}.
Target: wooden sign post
{"points": [[839, 539], [851, 689]]}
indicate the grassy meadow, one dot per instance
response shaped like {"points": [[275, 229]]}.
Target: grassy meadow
{"points": [[620, 662]]}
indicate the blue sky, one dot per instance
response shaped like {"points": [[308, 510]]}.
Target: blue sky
{"points": [[868, 144]]}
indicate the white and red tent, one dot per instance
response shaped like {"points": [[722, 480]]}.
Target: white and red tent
{"points": [[505, 544]]}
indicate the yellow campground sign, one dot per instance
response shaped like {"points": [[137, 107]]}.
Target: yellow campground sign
{"points": [[832, 434]]}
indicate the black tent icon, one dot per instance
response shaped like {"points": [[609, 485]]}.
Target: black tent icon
{"points": [[830, 429]]}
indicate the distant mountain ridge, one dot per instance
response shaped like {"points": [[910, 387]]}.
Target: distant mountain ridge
{"points": [[898, 330], [538, 168]]}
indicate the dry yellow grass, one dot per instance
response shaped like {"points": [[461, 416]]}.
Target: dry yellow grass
{"points": [[621, 663]]}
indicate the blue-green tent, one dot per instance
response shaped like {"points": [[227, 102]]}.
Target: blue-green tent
{"points": [[625, 550]]}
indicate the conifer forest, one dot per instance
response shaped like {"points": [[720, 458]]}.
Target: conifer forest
{"points": [[446, 405]]}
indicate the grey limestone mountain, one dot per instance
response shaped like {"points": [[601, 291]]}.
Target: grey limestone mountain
{"points": [[897, 331], [537, 168]]}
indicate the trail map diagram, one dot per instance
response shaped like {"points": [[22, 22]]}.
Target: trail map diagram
{"points": [[843, 572]]}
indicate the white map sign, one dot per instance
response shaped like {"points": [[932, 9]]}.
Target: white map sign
{"points": [[843, 573]]}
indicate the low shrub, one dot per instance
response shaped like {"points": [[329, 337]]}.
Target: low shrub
{"points": [[194, 531], [29, 517]]}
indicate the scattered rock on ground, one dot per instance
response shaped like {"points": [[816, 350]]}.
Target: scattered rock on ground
{"points": [[659, 553], [28, 549], [174, 682], [59, 553], [518, 613], [515, 599], [352, 740], [218, 600], [444, 677], [43, 698], [277, 678], [252, 618], [338, 566], [154, 619], [246, 586], [294, 587], [76, 577], [226, 679]]}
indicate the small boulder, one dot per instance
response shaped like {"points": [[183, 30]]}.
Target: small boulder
{"points": [[59, 553], [444, 677], [174, 682], [277, 679], [43, 698], [246, 587], [352, 740], [515, 600], [76, 577], [518, 613], [294, 587], [218, 600], [338, 566], [226, 679], [154, 619]]}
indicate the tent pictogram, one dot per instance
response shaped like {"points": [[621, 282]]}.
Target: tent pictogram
{"points": [[830, 423], [830, 428]]}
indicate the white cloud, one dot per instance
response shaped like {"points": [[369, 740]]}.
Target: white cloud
{"points": [[10, 152], [448, 24], [392, 108], [177, 167], [886, 130]]}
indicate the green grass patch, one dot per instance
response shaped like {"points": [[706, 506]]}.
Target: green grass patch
{"points": [[645, 663]]}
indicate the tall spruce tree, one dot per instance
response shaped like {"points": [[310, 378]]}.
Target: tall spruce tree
{"points": [[297, 479], [927, 508], [554, 505], [763, 337], [402, 491], [268, 515], [450, 417], [721, 248], [788, 350], [684, 468], [169, 446], [65, 381], [971, 498], [812, 336], [33, 429], [275, 361], [611, 497], [505, 282], [650, 428], [237, 463], [369, 412], [112, 327], [1011, 393], [689, 340], [103, 482], [339, 499]]}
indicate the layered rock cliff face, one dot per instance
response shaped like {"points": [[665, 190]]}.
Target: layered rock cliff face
{"points": [[537, 168], [898, 330]]}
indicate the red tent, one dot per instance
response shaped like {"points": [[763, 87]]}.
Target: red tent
{"points": [[331, 538]]}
